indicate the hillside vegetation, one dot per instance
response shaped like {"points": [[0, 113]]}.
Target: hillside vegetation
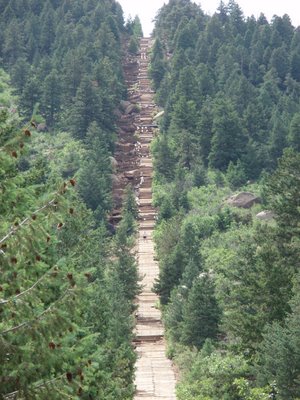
{"points": [[229, 276], [229, 282], [66, 283]]}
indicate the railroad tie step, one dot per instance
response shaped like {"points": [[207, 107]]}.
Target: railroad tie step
{"points": [[147, 339]]}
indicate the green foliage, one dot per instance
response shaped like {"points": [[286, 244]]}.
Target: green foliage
{"points": [[248, 393], [85, 110], [66, 307], [49, 49], [6, 97], [52, 97], [228, 141], [294, 133], [224, 275], [137, 27], [255, 289], [249, 60], [133, 46], [37, 285], [282, 191], [170, 17], [157, 68], [200, 315], [213, 377], [94, 178], [164, 157], [134, 27], [56, 332], [235, 174], [279, 358], [127, 226], [170, 262]]}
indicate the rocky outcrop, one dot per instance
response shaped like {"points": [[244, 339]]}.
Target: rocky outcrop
{"points": [[114, 163], [160, 114], [132, 174], [129, 128], [132, 108], [243, 200], [265, 215]]}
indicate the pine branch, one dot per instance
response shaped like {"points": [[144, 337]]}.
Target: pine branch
{"points": [[38, 317], [14, 298], [12, 395], [14, 229], [25, 221]]}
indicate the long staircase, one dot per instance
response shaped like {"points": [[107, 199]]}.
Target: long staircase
{"points": [[155, 377]]}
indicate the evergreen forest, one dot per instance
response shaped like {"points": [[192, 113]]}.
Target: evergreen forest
{"points": [[229, 272], [67, 278], [228, 87]]}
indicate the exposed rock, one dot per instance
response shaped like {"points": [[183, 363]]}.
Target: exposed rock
{"points": [[131, 109], [129, 128], [115, 179], [265, 215], [243, 200], [124, 147], [132, 174], [113, 162], [160, 114]]}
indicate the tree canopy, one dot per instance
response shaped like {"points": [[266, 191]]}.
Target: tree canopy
{"points": [[228, 279]]}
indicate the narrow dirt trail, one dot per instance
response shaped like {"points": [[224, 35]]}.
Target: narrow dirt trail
{"points": [[155, 377]]}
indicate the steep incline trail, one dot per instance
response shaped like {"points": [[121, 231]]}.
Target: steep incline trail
{"points": [[155, 377]]}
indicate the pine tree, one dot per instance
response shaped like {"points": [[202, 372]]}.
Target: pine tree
{"points": [[37, 286], [47, 21], [30, 96], [94, 181], [85, 110], [133, 46], [164, 157], [157, 64], [282, 191], [228, 141], [279, 359], [204, 129], [51, 97], [294, 132], [295, 64], [201, 314], [20, 73], [236, 175], [171, 260], [280, 62], [137, 27], [13, 47]]}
